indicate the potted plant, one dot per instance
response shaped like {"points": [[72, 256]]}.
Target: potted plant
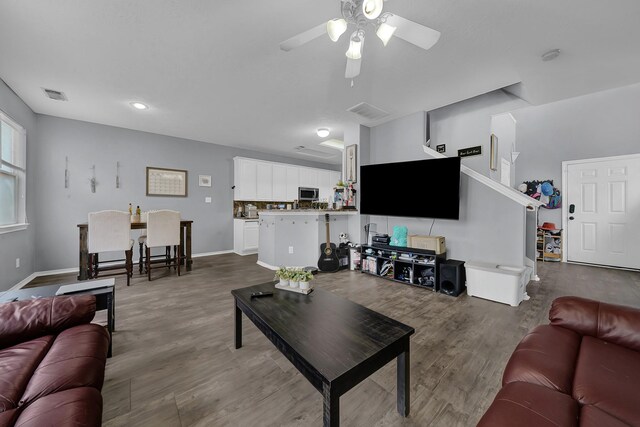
{"points": [[282, 274], [305, 278], [294, 278]]}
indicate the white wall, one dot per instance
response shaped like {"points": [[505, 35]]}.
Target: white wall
{"points": [[597, 125], [20, 244]]}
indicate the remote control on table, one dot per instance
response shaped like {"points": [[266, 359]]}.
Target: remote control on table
{"points": [[261, 294]]}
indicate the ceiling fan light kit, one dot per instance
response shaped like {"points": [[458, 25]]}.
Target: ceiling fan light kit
{"points": [[361, 14], [385, 32], [355, 45], [336, 28]]}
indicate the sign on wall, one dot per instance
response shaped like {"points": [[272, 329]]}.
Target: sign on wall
{"points": [[470, 151]]}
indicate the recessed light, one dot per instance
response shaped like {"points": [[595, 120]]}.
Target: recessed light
{"points": [[139, 105], [333, 143], [550, 55], [323, 132]]}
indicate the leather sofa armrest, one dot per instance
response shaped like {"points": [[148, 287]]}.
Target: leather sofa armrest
{"points": [[617, 324], [22, 321]]}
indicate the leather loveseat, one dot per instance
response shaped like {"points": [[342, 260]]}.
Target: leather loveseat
{"points": [[581, 370], [52, 362]]}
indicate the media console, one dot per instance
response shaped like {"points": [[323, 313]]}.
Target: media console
{"points": [[411, 266]]}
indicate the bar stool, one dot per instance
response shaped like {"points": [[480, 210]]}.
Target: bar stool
{"points": [[109, 231], [163, 229], [142, 240]]}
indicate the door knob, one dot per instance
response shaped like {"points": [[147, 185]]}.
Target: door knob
{"points": [[571, 218]]}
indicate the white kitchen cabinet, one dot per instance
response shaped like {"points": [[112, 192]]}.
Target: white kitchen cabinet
{"points": [[258, 180], [293, 182], [279, 192], [245, 236], [264, 185], [308, 177], [325, 184], [245, 179]]}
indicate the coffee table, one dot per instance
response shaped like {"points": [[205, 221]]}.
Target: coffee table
{"points": [[104, 290], [333, 342]]}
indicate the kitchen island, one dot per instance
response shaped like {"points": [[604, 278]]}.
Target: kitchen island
{"points": [[292, 238]]}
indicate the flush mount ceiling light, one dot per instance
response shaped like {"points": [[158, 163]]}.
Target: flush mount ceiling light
{"points": [[139, 105], [333, 143], [361, 14], [550, 55], [323, 132]]}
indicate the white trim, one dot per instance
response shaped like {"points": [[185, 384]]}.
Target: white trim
{"points": [[23, 282], [13, 227], [251, 252], [36, 274], [11, 122], [509, 192], [265, 265], [565, 205], [211, 253]]}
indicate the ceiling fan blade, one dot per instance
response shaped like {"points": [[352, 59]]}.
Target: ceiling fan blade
{"points": [[305, 37], [353, 68], [413, 32]]}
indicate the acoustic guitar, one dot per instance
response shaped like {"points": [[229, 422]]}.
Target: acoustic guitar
{"points": [[328, 261]]}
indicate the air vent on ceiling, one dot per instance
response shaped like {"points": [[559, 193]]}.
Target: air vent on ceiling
{"points": [[368, 111], [313, 153], [56, 95]]}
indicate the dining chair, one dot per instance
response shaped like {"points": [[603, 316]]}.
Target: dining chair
{"points": [[142, 240], [109, 231], [163, 229]]}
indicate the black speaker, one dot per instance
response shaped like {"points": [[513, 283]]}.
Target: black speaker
{"points": [[452, 279]]}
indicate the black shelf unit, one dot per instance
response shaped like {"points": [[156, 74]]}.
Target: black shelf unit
{"points": [[419, 267]]}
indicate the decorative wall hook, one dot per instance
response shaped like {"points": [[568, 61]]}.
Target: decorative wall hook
{"points": [[117, 174], [93, 179], [66, 172]]}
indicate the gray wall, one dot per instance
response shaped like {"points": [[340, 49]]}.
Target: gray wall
{"points": [[491, 226], [86, 144], [20, 244], [597, 125]]}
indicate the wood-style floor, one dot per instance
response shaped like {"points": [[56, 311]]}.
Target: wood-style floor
{"points": [[174, 362]]}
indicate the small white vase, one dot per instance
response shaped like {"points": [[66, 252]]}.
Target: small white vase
{"points": [[284, 282], [305, 285], [294, 284]]}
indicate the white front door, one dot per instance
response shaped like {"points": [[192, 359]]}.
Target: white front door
{"points": [[604, 227]]}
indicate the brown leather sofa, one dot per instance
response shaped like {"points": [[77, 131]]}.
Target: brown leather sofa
{"points": [[52, 362], [581, 370]]}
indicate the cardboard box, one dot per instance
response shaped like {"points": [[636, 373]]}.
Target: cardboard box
{"points": [[432, 243]]}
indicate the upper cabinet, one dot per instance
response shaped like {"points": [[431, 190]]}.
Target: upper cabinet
{"points": [[278, 182], [245, 173], [309, 177]]}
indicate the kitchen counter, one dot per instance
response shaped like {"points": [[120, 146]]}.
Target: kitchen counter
{"points": [[309, 212], [292, 238]]}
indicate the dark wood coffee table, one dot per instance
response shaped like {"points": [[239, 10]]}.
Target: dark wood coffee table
{"points": [[333, 342]]}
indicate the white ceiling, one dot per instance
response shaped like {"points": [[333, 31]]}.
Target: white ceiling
{"points": [[212, 70]]}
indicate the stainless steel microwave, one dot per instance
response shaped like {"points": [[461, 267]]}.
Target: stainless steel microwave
{"points": [[308, 194]]}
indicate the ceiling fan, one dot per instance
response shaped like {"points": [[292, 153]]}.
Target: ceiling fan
{"points": [[360, 14]]}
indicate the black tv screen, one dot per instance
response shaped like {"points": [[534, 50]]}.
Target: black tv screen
{"points": [[423, 188]]}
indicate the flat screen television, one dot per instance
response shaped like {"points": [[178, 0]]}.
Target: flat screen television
{"points": [[421, 189]]}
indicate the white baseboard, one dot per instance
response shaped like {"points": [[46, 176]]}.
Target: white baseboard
{"points": [[23, 282], [36, 274], [230, 251], [265, 265]]}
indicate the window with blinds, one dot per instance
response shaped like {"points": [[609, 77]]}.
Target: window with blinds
{"points": [[12, 173]]}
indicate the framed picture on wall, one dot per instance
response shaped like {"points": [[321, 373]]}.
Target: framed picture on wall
{"points": [[351, 159], [204, 180], [166, 182]]}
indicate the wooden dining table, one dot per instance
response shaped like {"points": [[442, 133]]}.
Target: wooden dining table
{"points": [[185, 245]]}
